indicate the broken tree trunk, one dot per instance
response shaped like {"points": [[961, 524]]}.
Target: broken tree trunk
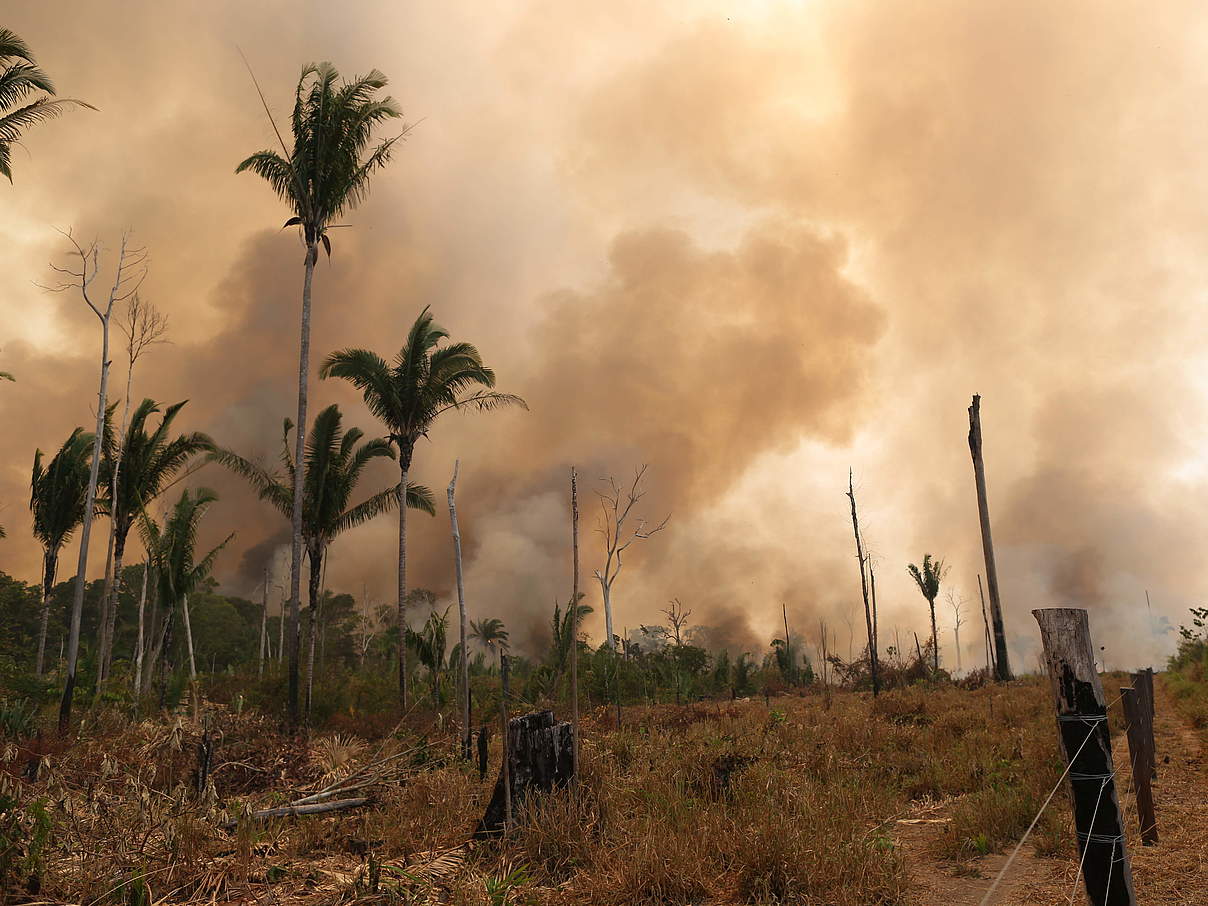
{"points": [[1086, 741], [1002, 667], [539, 757], [1138, 757], [868, 616]]}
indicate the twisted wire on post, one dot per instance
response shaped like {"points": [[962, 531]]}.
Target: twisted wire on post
{"points": [[1092, 721]]}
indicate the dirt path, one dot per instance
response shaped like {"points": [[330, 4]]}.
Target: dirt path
{"points": [[1173, 873]]}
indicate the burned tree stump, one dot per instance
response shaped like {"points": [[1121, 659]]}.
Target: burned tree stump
{"points": [[540, 758]]}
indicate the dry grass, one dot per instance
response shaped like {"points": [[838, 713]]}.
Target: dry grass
{"points": [[708, 804]]}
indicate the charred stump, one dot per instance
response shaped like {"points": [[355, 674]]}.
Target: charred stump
{"points": [[540, 758]]}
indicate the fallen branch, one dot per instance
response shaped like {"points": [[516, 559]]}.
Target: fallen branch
{"points": [[335, 805]]}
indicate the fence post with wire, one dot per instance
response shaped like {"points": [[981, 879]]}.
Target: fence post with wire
{"points": [[1086, 742]]}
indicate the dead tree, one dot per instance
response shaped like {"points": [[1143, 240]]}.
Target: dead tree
{"points": [[1002, 667], [461, 613], [1086, 741], [869, 616], [957, 603], [616, 506], [143, 326], [131, 269], [539, 758], [677, 619]]}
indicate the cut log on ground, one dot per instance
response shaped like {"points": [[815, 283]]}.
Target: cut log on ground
{"points": [[540, 758]]}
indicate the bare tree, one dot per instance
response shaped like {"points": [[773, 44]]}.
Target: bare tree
{"points": [[824, 640], [616, 506], [957, 603], [1002, 667], [143, 326], [461, 612], [129, 274], [677, 619], [870, 618]]}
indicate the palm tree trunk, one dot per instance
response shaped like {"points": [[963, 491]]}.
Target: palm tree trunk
{"points": [[77, 601], [50, 561], [295, 564], [189, 638], [935, 639], [263, 625], [164, 651], [316, 565], [119, 552], [103, 623], [404, 455], [461, 610], [138, 647]]}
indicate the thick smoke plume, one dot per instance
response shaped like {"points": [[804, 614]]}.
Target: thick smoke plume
{"points": [[750, 248]]}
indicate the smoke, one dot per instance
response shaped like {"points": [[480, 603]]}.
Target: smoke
{"points": [[749, 248]]}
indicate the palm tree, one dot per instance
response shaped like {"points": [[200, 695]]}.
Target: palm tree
{"points": [[326, 174], [563, 633], [20, 78], [928, 580], [407, 397], [490, 633], [57, 493], [133, 475], [173, 551], [429, 647], [333, 465]]}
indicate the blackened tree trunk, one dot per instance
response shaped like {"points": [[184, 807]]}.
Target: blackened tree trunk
{"points": [[539, 758]]}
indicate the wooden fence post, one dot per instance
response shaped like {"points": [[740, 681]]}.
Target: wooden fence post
{"points": [[1139, 757], [1086, 741], [1143, 683]]}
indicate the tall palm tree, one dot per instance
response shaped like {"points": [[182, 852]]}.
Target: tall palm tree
{"points": [[20, 80], [425, 381], [928, 580], [173, 550], [333, 465], [57, 493], [133, 474], [326, 174], [490, 633]]}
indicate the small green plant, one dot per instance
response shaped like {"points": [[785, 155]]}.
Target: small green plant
{"points": [[499, 888], [18, 718]]}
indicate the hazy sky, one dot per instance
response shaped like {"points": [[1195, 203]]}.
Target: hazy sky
{"points": [[749, 244]]}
